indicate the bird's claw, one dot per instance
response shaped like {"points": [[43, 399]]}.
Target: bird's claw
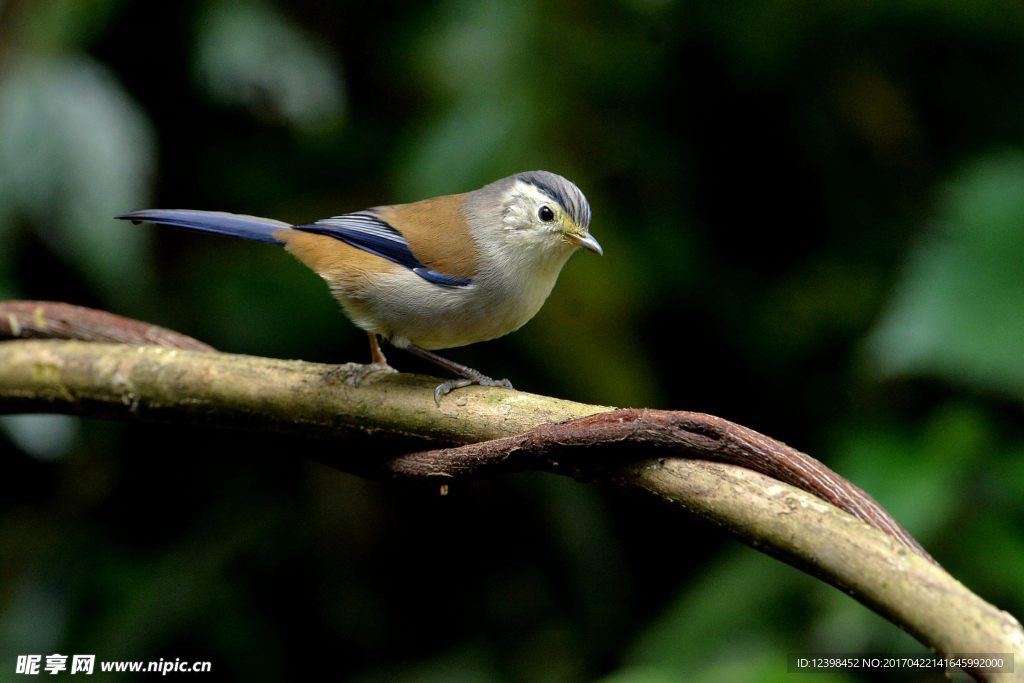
{"points": [[451, 385], [364, 371]]}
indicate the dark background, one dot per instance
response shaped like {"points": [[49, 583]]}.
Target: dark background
{"points": [[813, 220]]}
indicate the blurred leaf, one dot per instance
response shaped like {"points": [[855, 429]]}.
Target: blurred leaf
{"points": [[56, 26], [75, 150], [248, 54], [919, 478], [1011, 479], [988, 532], [728, 614], [490, 113], [991, 554], [477, 48], [958, 311], [44, 437], [35, 618], [476, 139]]}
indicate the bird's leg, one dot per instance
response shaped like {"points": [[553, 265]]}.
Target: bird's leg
{"points": [[470, 375], [379, 364], [375, 353]]}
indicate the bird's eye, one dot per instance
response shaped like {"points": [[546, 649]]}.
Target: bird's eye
{"points": [[545, 214]]}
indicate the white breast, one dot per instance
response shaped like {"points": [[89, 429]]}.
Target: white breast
{"points": [[515, 277]]}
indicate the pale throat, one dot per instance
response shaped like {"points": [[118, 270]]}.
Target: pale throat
{"points": [[530, 255]]}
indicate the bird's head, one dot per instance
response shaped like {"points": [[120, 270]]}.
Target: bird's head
{"points": [[548, 210]]}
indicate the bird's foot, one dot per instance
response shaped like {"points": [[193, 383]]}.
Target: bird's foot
{"points": [[470, 376], [482, 380], [364, 371]]}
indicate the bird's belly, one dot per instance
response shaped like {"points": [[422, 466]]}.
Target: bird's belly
{"points": [[402, 305]]}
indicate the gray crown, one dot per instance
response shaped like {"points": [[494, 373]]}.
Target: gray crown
{"points": [[562, 191]]}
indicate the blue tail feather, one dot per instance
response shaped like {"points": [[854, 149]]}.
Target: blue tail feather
{"points": [[246, 227], [372, 236]]}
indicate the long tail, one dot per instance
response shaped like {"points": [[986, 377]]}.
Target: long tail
{"points": [[246, 227]]}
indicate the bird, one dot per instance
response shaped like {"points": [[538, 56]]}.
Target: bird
{"points": [[433, 274]]}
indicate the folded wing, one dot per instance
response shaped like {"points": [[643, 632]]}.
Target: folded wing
{"points": [[367, 231]]}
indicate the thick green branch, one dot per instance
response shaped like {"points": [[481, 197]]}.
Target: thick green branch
{"points": [[161, 384]]}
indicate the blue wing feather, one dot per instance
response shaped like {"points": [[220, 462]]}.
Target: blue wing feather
{"points": [[364, 230], [440, 278]]}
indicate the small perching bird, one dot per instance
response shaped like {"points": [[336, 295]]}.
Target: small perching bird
{"points": [[434, 274]]}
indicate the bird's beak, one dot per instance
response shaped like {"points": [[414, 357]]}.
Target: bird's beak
{"points": [[585, 240]]}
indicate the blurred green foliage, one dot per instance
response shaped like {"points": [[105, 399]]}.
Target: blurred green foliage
{"points": [[813, 215]]}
